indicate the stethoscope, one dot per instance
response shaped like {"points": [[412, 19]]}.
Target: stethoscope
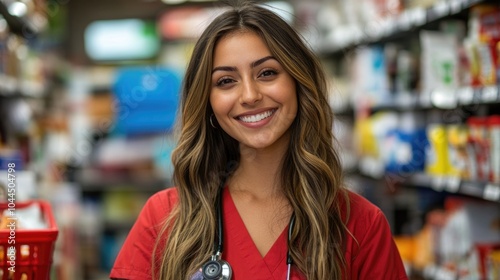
{"points": [[217, 268]]}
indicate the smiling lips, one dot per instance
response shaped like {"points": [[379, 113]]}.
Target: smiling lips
{"points": [[257, 117]]}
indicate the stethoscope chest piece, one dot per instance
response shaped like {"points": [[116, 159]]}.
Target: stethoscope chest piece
{"points": [[216, 270]]}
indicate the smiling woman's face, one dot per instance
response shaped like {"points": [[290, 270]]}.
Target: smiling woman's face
{"points": [[253, 97]]}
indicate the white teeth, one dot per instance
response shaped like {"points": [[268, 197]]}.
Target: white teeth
{"points": [[258, 117]]}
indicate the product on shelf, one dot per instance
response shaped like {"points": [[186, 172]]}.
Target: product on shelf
{"points": [[462, 151], [493, 264], [147, 99], [407, 72], [478, 142], [405, 145], [440, 61], [494, 138], [484, 37], [465, 65], [462, 241], [485, 253], [457, 151], [402, 73], [370, 84], [498, 62], [437, 158]]}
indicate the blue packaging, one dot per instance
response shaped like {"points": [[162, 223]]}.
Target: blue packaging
{"points": [[147, 100]]}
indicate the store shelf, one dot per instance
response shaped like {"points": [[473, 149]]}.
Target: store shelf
{"points": [[386, 29], [373, 169], [94, 181], [484, 190], [450, 100]]}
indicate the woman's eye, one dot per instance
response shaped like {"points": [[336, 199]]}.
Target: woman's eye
{"points": [[268, 73], [224, 81]]}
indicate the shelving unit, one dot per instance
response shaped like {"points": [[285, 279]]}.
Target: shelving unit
{"points": [[30, 88], [397, 26], [411, 194], [461, 97], [452, 185]]}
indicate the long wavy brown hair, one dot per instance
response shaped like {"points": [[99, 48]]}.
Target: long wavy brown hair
{"points": [[311, 173]]}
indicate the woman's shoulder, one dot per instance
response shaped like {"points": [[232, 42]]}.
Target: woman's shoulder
{"points": [[168, 195], [369, 242], [166, 198], [135, 257], [360, 212], [160, 204]]}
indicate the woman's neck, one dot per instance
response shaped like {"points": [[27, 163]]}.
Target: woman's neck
{"points": [[258, 173]]}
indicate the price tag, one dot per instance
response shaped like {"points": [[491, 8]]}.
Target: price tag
{"points": [[477, 95], [357, 36], [441, 9], [491, 192], [490, 94], [444, 98], [444, 274], [404, 20], [455, 6], [438, 183], [390, 26], [465, 95], [417, 16], [452, 184], [472, 188], [376, 30]]}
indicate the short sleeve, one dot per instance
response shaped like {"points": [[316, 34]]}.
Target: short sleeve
{"points": [[134, 261], [378, 257]]}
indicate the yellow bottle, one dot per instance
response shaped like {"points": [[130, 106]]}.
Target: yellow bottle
{"points": [[437, 160]]}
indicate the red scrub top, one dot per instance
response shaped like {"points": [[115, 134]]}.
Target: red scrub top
{"points": [[376, 257]]}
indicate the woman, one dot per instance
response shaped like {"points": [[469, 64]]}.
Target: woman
{"points": [[256, 126]]}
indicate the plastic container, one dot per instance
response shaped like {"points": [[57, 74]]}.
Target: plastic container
{"points": [[478, 143], [33, 248], [436, 156], [457, 151], [407, 145], [494, 129]]}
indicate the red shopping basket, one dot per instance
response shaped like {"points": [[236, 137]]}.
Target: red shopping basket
{"points": [[32, 257]]}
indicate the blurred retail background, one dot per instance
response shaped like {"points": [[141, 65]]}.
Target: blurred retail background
{"points": [[88, 98]]}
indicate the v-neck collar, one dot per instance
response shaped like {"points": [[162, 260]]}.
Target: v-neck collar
{"points": [[240, 248]]}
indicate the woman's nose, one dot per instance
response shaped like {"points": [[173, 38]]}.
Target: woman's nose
{"points": [[250, 93]]}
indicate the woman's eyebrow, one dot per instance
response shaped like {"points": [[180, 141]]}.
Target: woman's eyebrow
{"points": [[252, 65], [225, 68], [260, 61]]}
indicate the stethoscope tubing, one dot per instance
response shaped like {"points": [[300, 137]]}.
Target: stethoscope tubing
{"points": [[218, 248]]}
